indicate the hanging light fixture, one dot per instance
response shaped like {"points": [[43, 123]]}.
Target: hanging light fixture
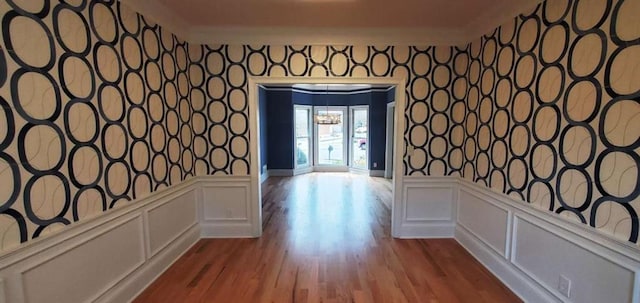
{"points": [[327, 118]]}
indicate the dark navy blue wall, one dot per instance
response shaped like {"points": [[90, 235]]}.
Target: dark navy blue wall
{"points": [[391, 95], [264, 136], [280, 130], [377, 130]]}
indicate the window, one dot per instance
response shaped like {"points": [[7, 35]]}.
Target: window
{"points": [[331, 140], [302, 117]]}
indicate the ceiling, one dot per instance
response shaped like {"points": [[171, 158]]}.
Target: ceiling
{"points": [[426, 21]]}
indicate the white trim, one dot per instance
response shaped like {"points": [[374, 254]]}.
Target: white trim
{"points": [[432, 214], [515, 280], [388, 155], [130, 282], [581, 230], [399, 122], [254, 168], [264, 176], [79, 228], [85, 242], [141, 279], [507, 214]]}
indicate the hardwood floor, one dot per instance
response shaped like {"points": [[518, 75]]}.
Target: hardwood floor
{"points": [[326, 238]]}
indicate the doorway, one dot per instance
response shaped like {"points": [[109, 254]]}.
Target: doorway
{"points": [[397, 207]]}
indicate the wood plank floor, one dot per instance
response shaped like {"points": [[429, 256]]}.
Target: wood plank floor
{"points": [[326, 238]]}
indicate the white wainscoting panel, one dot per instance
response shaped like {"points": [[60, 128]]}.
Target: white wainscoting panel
{"points": [[114, 257], [485, 220], [107, 259], [170, 220], [428, 208], [529, 249], [83, 272], [226, 207], [545, 256]]}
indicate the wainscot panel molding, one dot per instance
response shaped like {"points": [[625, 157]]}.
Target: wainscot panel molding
{"points": [[226, 207], [131, 243], [529, 250], [429, 208], [524, 247]]}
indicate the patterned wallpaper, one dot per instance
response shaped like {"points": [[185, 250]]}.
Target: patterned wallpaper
{"points": [[94, 113], [553, 112], [101, 106], [219, 97]]}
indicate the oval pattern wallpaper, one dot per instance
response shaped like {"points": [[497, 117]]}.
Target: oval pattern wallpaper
{"points": [[94, 113], [553, 112], [100, 106], [219, 97]]}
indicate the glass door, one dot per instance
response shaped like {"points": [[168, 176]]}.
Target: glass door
{"points": [[331, 140], [359, 131], [303, 128]]}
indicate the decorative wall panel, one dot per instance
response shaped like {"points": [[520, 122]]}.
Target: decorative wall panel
{"points": [[553, 112]]}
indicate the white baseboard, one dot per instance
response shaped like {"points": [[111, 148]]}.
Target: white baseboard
{"points": [[226, 230], [430, 230], [376, 173], [264, 177]]}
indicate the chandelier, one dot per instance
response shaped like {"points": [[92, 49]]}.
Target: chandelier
{"points": [[327, 118]]}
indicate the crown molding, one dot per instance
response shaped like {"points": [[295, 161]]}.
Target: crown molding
{"points": [[326, 36], [157, 12], [496, 16]]}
